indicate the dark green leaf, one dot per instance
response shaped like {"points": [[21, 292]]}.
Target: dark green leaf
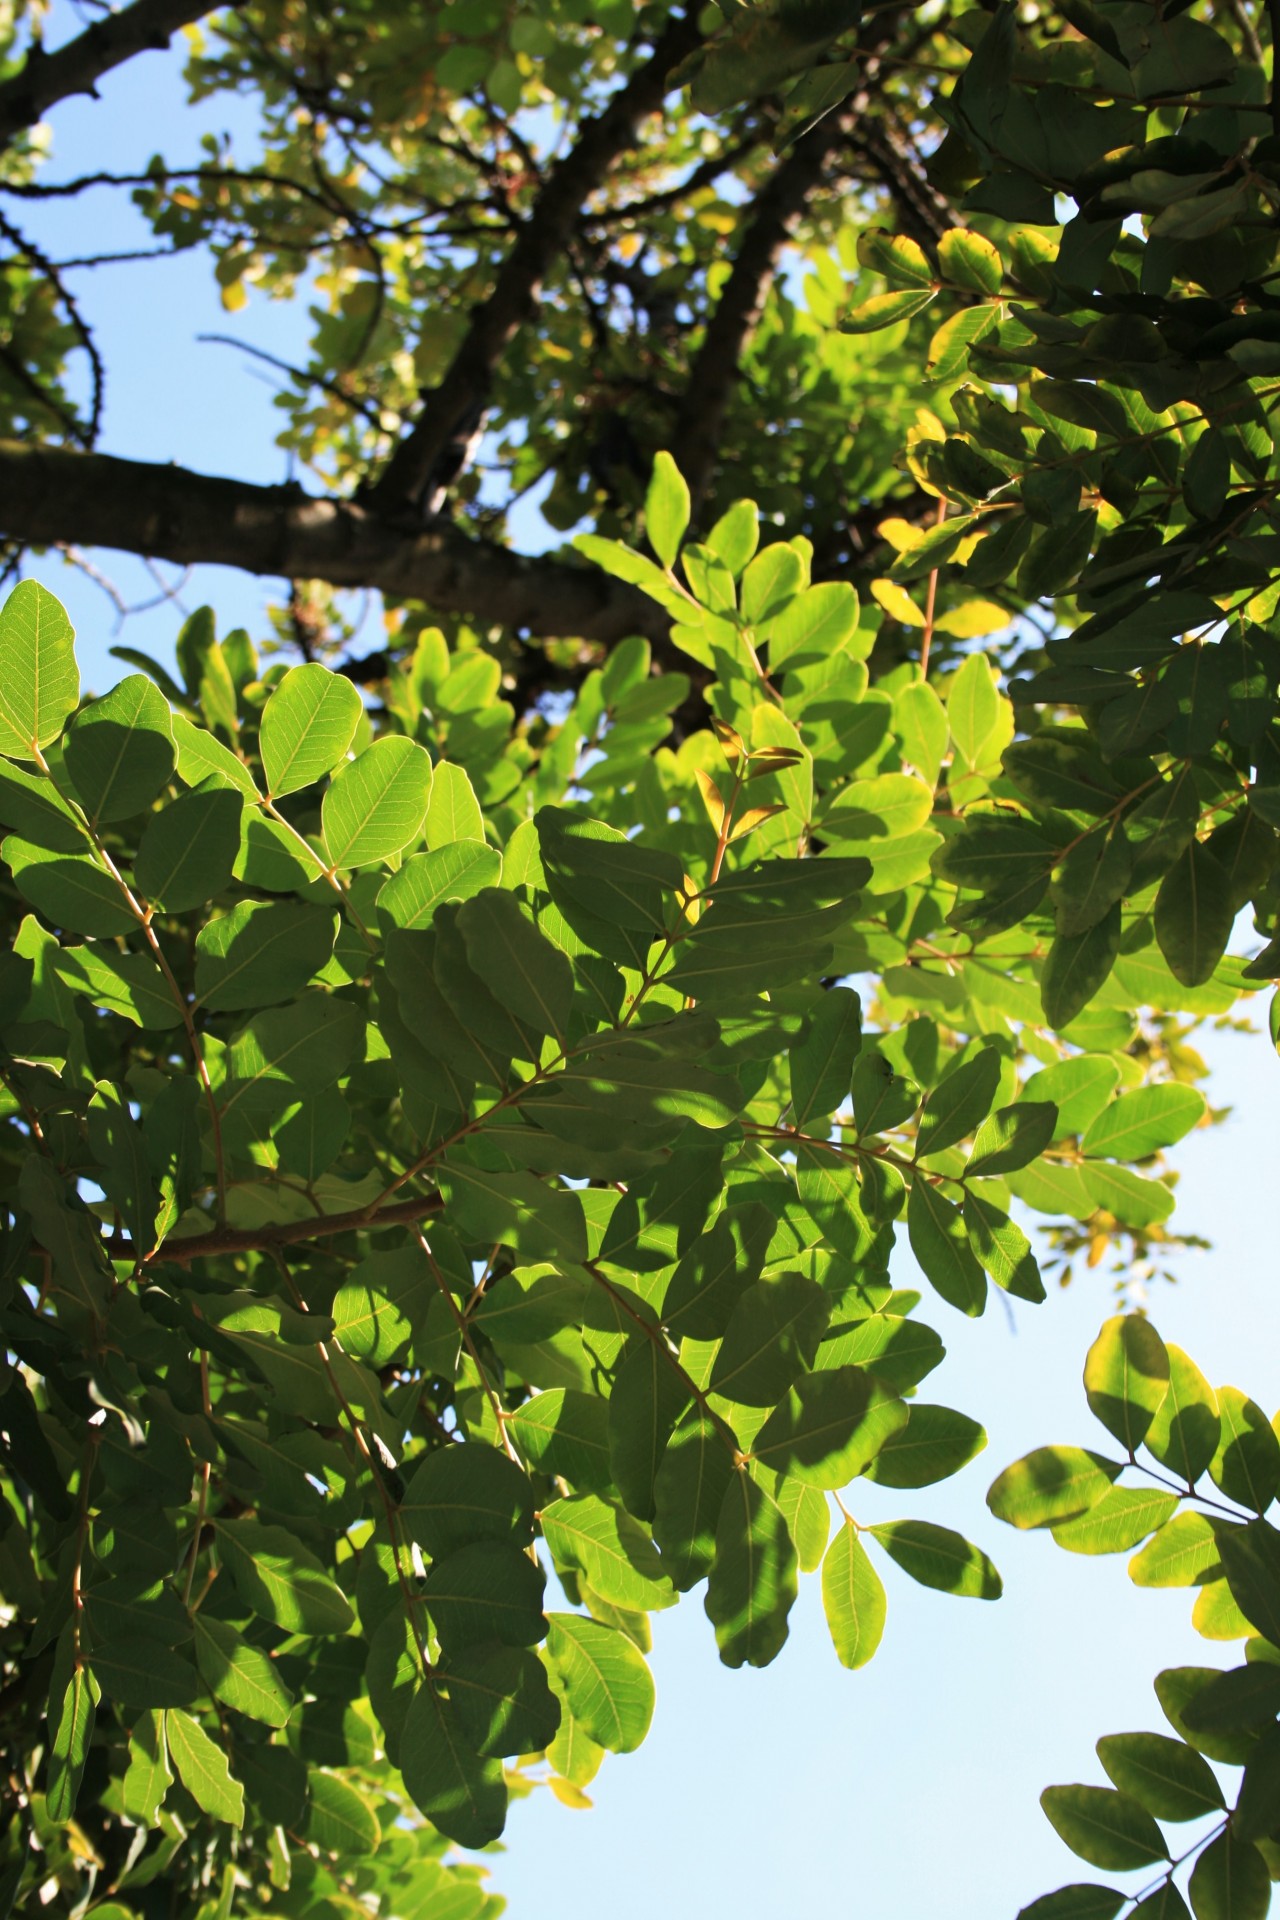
{"points": [[1106, 1828], [937, 1557], [752, 1587]]}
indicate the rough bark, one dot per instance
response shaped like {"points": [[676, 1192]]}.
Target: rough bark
{"points": [[45, 78], [54, 496], [695, 439], [463, 391]]}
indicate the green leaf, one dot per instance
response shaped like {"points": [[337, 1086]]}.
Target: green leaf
{"points": [[883, 807], [1126, 1375], [689, 1490], [1092, 877], [74, 1694], [973, 709], [899, 258], [713, 1275], [1230, 1881], [1079, 1087], [1246, 1465], [614, 1555], [935, 1443], [130, 984], [457, 872], [1250, 1558], [460, 1793], [1169, 1779], [516, 1209], [260, 953], [1077, 1902], [1013, 1136], [71, 891], [204, 760], [147, 1778], [487, 1590], [959, 1103], [937, 1557], [39, 681], [502, 1700], [736, 535], [1122, 1517], [1106, 1828], [460, 1494], [1181, 1554], [1194, 914], [772, 1336], [885, 309], [853, 1599], [240, 1674], [138, 1672], [1184, 1434], [280, 1579], [201, 1766], [189, 848], [1050, 1485], [339, 1820], [119, 750], [1077, 967], [822, 1065], [376, 804], [666, 509], [1140, 1123], [566, 1433], [454, 813], [940, 1244], [920, 722], [647, 1400], [532, 978], [1176, 1688], [752, 1586], [1243, 1697], [368, 1325], [1002, 1248], [307, 727], [830, 1426], [604, 1680], [969, 260]]}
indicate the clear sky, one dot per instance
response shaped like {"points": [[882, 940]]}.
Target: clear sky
{"points": [[908, 1789]]}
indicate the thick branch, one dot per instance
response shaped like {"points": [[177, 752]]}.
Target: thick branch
{"points": [[51, 495], [45, 78], [290, 1233], [695, 438], [464, 389]]}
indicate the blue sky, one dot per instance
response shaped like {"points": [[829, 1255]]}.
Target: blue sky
{"points": [[909, 1788]]}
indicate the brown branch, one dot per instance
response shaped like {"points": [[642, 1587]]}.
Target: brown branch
{"points": [[52, 495], [695, 438], [543, 238], [201, 1246], [45, 78]]}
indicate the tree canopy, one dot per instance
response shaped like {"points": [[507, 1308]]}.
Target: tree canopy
{"points": [[461, 1099]]}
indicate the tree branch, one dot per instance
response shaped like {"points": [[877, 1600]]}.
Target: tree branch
{"points": [[695, 437], [53, 495], [290, 1233], [463, 390], [45, 78]]}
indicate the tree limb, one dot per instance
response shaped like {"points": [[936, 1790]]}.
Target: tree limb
{"points": [[199, 1246], [45, 78], [410, 475], [53, 495], [713, 377]]}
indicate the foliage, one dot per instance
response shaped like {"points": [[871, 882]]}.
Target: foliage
{"points": [[1155, 1400], [456, 1138]]}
